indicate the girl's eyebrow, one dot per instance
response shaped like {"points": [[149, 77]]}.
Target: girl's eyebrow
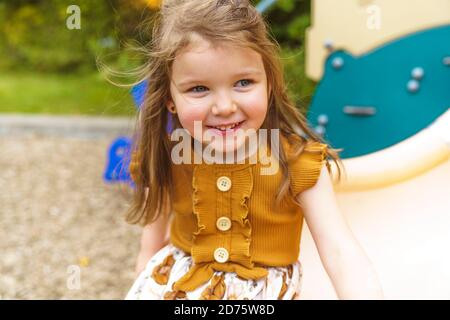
{"points": [[248, 72], [243, 73]]}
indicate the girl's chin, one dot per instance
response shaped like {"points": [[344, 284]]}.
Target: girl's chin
{"points": [[225, 146]]}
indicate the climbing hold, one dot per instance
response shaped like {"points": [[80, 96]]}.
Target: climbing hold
{"points": [[446, 61], [328, 44], [322, 119], [338, 63], [320, 130], [417, 73], [413, 86]]}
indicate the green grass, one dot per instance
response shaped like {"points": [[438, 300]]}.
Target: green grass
{"points": [[88, 94], [91, 94]]}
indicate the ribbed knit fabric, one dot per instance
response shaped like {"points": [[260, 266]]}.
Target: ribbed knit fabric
{"points": [[259, 235]]}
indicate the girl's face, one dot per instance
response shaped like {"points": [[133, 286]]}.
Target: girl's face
{"points": [[220, 88]]}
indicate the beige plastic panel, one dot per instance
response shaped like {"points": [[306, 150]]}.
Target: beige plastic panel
{"points": [[404, 230], [397, 204], [352, 25], [405, 160]]}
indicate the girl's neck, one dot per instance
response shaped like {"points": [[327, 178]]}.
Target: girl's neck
{"points": [[239, 156]]}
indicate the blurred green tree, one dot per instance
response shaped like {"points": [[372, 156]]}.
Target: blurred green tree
{"points": [[288, 20], [34, 35]]}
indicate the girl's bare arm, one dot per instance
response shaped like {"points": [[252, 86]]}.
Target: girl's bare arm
{"points": [[349, 268], [154, 237]]}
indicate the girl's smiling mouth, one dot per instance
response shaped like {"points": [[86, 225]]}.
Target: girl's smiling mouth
{"points": [[226, 128]]}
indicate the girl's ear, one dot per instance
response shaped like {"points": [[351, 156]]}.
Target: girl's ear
{"points": [[171, 106]]}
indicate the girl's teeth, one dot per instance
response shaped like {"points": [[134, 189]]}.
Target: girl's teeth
{"points": [[227, 127]]}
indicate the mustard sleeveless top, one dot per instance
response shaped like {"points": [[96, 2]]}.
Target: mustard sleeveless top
{"points": [[223, 215]]}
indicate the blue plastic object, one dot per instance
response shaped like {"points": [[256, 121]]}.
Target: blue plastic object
{"points": [[264, 5], [118, 161], [385, 96], [138, 93], [118, 157]]}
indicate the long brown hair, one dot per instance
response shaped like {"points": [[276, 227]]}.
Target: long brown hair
{"points": [[236, 22]]}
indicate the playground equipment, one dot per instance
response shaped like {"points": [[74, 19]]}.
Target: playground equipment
{"points": [[118, 156], [384, 97]]}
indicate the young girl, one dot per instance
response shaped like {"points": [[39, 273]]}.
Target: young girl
{"points": [[235, 229]]}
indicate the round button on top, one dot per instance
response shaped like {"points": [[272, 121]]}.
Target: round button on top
{"points": [[223, 223], [221, 255], [224, 183]]}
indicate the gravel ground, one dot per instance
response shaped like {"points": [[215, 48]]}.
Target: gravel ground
{"points": [[63, 233]]}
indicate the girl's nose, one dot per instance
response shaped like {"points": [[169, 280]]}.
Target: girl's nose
{"points": [[224, 107]]}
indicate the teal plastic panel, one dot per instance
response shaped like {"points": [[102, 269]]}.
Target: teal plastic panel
{"points": [[385, 96]]}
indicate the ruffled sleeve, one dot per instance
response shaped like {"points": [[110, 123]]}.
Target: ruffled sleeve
{"points": [[306, 168]]}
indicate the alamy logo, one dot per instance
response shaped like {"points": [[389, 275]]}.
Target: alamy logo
{"points": [[258, 149], [374, 18], [74, 20], [74, 279]]}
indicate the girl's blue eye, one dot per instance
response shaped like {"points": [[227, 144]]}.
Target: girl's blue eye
{"points": [[198, 89], [245, 82]]}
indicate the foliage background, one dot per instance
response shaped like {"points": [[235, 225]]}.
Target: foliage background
{"points": [[58, 65]]}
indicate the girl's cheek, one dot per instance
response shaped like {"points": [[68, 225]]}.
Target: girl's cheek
{"points": [[188, 116], [256, 105]]}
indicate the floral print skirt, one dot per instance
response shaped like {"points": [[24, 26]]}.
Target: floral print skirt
{"points": [[170, 263]]}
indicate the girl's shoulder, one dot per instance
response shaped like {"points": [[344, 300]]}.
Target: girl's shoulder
{"points": [[305, 160], [299, 148]]}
